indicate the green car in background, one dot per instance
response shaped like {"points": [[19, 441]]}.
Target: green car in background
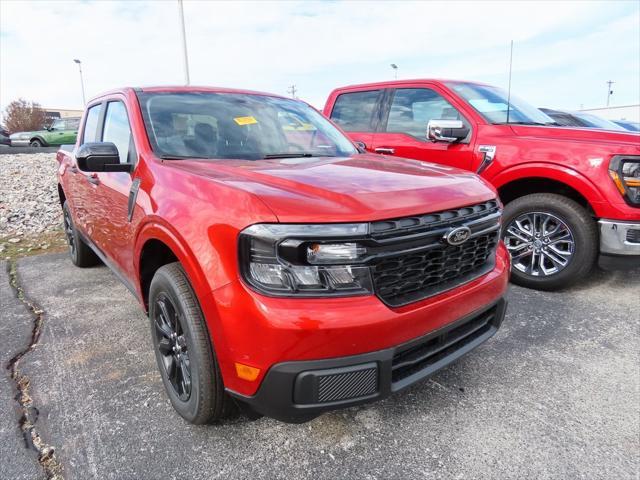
{"points": [[63, 131]]}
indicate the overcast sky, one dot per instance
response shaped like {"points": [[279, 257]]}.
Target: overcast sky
{"points": [[564, 51]]}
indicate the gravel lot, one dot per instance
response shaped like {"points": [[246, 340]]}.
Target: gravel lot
{"points": [[554, 395], [29, 202]]}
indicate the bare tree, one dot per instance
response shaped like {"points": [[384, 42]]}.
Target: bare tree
{"points": [[21, 115]]}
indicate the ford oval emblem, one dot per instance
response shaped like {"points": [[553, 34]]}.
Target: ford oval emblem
{"points": [[458, 236]]}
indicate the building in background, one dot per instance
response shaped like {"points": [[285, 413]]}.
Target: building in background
{"points": [[61, 112], [625, 112]]}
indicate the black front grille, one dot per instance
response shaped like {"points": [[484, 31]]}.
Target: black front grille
{"points": [[419, 263], [633, 236], [424, 356]]}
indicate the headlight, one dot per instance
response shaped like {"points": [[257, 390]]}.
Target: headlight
{"points": [[305, 260], [625, 172]]}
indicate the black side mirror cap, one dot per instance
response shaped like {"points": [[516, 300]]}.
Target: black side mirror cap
{"points": [[100, 157]]}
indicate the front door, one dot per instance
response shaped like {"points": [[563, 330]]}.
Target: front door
{"points": [[403, 127], [113, 230]]}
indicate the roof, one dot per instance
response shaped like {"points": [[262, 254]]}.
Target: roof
{"points": [[185, 89]]}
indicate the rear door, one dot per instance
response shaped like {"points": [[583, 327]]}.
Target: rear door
{"points": [[403, 127], [357, 113]]}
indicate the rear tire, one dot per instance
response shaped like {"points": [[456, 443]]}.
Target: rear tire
{"points": [[183, 349], [543, 230], [81, 254]]}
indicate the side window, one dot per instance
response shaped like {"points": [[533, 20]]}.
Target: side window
{"points": [[412, 108], [90, 132], [354, 112], [117, 130]]}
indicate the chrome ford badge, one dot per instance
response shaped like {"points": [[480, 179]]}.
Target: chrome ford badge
{"points": [[458, 236]]}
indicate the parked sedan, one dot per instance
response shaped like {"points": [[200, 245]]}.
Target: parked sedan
{"points": [[4, 137], [580, 119], [62, 131]]}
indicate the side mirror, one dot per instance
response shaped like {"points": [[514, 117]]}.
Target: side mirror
{"points": [[446, 131], [100, 157], [362, 148]]}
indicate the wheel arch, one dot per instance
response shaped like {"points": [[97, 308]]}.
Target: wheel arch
{"points": [[158, 245], [520, 181], [40, 139]]}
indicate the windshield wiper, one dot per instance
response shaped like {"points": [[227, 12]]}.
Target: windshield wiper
{"points": [[520, 123], [175, 157], [289, 155]]}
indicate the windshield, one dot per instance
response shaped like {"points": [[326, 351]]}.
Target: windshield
{"points": [[236, 125], [491, 103], [594, 121]]}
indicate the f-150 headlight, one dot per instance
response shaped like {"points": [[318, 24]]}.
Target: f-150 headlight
{"points": [[625, 172], [305, 260]]}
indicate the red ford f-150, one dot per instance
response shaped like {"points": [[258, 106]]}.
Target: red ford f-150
{"points": [[278, 265], [571, 195]]}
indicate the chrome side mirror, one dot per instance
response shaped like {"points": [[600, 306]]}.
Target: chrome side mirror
{"points": [[446, 130]]}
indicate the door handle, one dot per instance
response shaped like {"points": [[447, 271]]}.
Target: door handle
{"points": [[93, 178], [387, 151]]}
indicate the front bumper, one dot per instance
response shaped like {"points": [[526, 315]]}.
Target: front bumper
{"points": [[299, 391], [20, 143], [619, 244]]}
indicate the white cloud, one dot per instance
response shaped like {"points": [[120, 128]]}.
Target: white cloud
{"points": [[563, 52]]}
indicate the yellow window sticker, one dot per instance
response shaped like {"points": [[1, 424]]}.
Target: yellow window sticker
{"points": [[245, 120]]}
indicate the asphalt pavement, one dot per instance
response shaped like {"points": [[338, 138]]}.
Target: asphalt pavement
{"points": [[555, 394]]}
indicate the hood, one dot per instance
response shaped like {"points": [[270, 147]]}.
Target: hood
{"points": [[574, 134], [362, 187]]}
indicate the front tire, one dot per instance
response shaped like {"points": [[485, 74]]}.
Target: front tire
{"points": [[81, 254], [553, 241], [36, 143], [183, 349]]}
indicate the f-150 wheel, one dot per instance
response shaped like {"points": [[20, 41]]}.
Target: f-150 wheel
{"points": [[553, 241], [183, 349], [80, 253]]}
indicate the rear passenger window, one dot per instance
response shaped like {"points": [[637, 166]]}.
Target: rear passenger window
{"points": [[412, 108], [117, 130], [355, 112], [90, 133]]}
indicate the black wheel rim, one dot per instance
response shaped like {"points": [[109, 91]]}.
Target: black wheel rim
{"points": [[172, 346], [68, 230]]}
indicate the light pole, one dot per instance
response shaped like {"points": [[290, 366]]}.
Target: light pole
{"points": [[84, 102], [609, 91], [184, 44], [395, 69]]}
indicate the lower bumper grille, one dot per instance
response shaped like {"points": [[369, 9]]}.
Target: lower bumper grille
{"points": [[633, 235], [421, 357]]}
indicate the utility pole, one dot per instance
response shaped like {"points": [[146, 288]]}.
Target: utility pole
{"points": [[609, 91], [292, 91], [395, 69], [184, 44], [84, 102]]}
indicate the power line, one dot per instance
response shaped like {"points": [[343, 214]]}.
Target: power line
{"points": [[292, 91]]}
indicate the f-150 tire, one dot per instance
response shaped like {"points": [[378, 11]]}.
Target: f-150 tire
{"points": [[183, 349], [553, 241], [81, 254]]}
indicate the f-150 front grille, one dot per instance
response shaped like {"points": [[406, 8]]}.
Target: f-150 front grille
{"points": [[418, 260]]}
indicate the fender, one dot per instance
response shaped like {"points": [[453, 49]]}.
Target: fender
{"points": [[562, 174], [156, 229], [40, 139]]}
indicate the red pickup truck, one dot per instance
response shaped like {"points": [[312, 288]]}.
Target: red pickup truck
{"points": [[570, 194], [278, 265]]}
